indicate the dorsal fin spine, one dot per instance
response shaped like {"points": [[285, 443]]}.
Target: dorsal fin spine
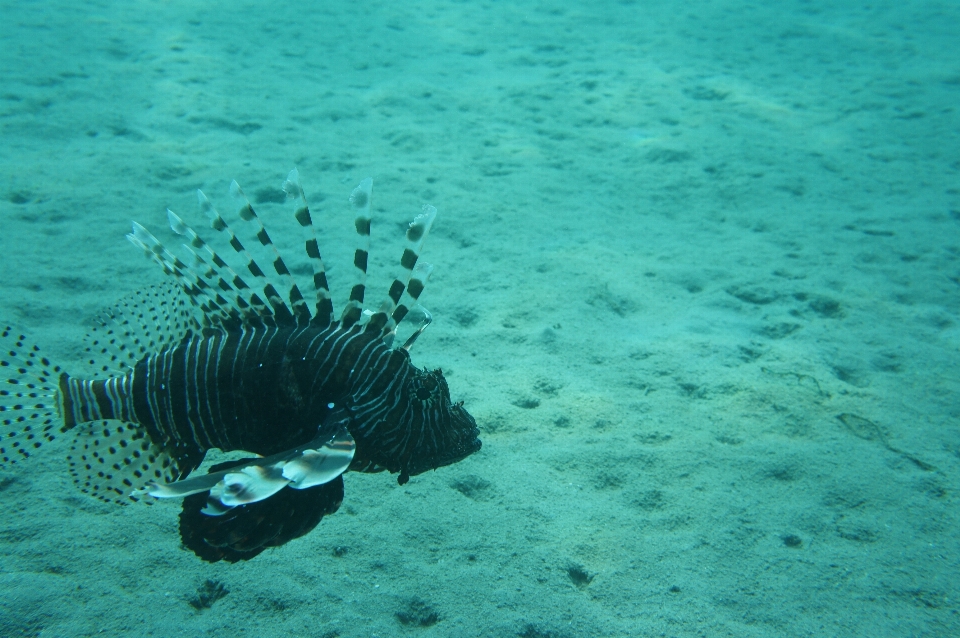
{"points": [[226, 279], [411, 295], [301, 313], [417, 232], [196, 288], [220, 225], [360, 199], [323, 312]]}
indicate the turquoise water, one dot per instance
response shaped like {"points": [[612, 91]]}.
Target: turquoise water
{"points": [[697, 277]]}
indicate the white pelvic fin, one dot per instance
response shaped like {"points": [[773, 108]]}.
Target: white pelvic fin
{"points": [[315, 463], [251, 484]]}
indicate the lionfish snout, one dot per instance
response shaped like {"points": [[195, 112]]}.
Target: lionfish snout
{"points": [[462, 439]]}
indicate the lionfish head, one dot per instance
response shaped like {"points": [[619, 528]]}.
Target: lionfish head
{"points": [[440, 432]]}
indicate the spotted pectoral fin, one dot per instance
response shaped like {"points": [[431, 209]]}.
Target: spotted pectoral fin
{"points": [[316, 463]]}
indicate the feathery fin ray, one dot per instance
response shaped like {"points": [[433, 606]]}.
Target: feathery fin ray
{"points": [[383, 320], [278, 313], [360, 200], [300, 311], [323, 315], [227, 300], [29, 398]]}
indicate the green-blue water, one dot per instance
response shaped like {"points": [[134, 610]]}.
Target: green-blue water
{"points": [[697, 277]]}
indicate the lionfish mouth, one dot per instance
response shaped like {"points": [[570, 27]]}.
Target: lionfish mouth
{"points": [[437, 462], [467, 443], [464, 452]]}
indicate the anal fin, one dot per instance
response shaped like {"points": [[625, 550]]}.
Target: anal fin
{"points": [[113, 460], [243, 532]]}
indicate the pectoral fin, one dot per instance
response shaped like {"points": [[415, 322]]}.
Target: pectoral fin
{"points": [[318, 462]]}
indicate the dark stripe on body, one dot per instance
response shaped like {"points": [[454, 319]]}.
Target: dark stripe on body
{"points": [[267, 390]]}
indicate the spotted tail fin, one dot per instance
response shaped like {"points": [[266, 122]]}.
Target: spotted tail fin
{"points": [[108, 458], [29, 398]]}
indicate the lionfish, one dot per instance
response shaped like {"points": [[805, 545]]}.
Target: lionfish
{"points": [[305, 395]]}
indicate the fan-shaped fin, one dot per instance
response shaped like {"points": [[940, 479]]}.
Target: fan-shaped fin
{"points": [[114, 460], [144, 323], [29, 405]]}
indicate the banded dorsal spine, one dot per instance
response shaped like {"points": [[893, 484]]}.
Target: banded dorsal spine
{"points": [[391, 311], [246, 212], [360, 200], [323, 315], [227, 299], [280, 314], [227, 280], [194, 284]]}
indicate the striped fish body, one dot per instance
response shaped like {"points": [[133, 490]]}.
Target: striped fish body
{"points": [[307, 395], [267, 390]]}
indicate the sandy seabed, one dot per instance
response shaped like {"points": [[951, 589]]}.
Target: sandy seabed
{"points": [[697, 277]]}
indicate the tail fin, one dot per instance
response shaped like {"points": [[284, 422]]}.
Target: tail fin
{"points": [[29, 398]]}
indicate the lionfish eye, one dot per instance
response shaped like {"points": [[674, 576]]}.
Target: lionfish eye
{"points": [[423, 394]]}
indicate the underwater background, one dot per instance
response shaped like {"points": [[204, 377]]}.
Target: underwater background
{"points": [[697, 277]]}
